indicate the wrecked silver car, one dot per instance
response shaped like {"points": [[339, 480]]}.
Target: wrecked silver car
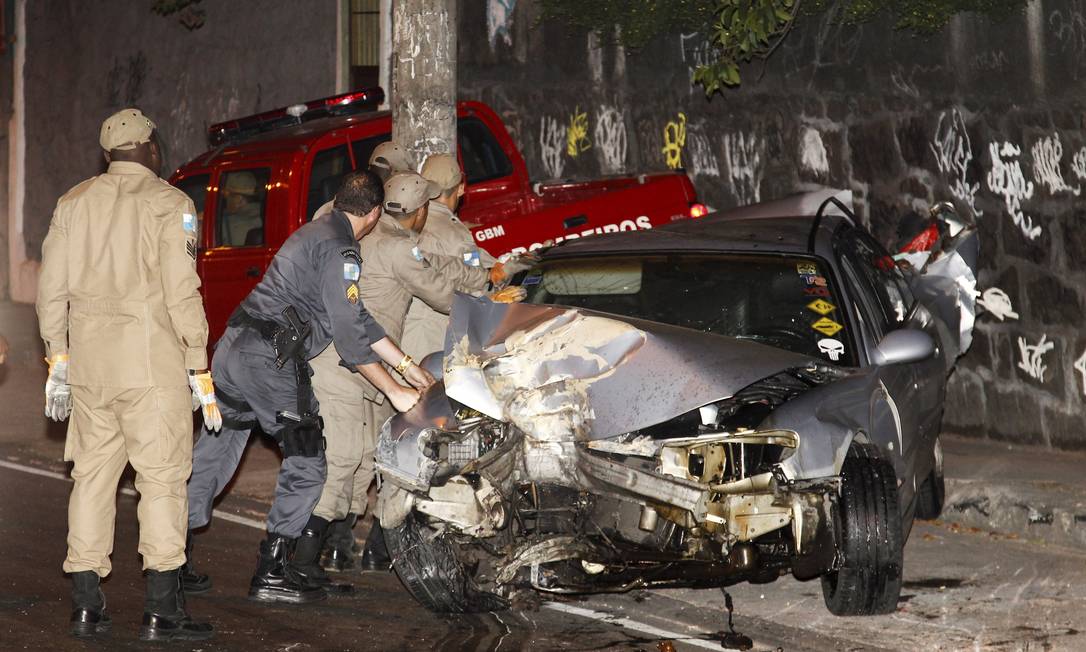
{"points": [[723, 400]]}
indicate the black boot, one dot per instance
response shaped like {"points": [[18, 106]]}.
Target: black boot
{"points": [[88, 605], [339, 546], [193, 581], [375, 557], [306, 553], [276, 580], [164, 614]]}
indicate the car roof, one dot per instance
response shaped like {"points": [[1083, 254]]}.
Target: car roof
{"points": [[783, 226]]}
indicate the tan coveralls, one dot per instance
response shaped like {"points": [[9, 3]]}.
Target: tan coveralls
{"points": [[119, 293], [392, 273], [444, 235]]}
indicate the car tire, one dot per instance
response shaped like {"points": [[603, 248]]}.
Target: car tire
{"points": [[868, 581], [431, 571], [931, 494]]}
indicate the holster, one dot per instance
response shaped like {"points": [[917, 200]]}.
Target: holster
{"points": [[302, 436]]}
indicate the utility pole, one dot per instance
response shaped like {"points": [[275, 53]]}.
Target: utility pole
{"points": [[424, 76]]}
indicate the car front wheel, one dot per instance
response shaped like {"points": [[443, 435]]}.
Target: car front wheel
{"points": [[428, 564], [868, 581]]}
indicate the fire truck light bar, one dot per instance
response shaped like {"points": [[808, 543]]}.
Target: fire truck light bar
{"points": [[345, 104]]}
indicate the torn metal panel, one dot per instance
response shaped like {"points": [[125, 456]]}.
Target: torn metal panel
{"points": [[562, 373]]}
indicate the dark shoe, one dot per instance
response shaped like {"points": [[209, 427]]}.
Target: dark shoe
{"points": [[88, 605], [164, 614], [276, 580], [88, 622], [193, 581], [340, 555], [375, 557], [305, 561]]}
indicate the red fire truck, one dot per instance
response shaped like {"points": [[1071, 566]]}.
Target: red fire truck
{"points": [[266, 174]]}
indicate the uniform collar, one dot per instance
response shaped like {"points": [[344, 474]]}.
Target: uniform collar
{"points": [[340, 219], [394, 224], [129, 167]]}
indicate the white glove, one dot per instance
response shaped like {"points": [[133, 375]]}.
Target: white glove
{"points": [[58, 393], [203, 395]]}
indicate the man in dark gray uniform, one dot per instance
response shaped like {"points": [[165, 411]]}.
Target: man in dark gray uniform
{"points": [[307, 299]]}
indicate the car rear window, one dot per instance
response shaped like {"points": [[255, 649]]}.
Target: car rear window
{"points": [[789, 302], [482, 156]]}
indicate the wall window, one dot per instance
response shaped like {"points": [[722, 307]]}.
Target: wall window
{"points": [[243, 198], [365, 36]]}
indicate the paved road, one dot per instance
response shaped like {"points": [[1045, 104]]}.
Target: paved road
{"points": [[964, 590]]}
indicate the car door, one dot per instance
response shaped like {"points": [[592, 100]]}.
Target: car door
{"points": [[239, 210], [884, 306]]}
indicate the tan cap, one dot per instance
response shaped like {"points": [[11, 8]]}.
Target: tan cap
{"points": [[444, 170], [125, 129], [242, 183], [390, 156], [407, 191]]}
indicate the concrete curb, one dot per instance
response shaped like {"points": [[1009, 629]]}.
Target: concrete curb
{"points": [[1049, 512]]}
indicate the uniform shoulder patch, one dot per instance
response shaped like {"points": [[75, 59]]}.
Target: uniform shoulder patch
{"points": [[352, 256], [188, 222], [351, 271]]}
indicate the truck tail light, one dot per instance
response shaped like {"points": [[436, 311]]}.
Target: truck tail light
{"points": [[697, 210], [347, 103]]}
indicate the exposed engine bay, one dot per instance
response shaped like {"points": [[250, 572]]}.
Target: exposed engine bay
{"points": [[547, 498]]}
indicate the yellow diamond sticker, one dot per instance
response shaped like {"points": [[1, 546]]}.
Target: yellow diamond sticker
{"points": [[826, 326], [807, 269], [821, 306]]}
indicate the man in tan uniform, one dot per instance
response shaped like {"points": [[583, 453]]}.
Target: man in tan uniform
{"points": [[120, 311], [444, 235], [394, 270]]}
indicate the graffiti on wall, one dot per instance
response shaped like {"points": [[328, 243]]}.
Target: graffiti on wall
{"points": [[997, 303], [674, 141], [702, 159], [696, 51], [610, 137], [812, 152], [1032, 356], [552, 143], [953, 154], [744, 160], [1005, 179], [1080, 366], [577, 133], [499, 21], [1047, 155]]}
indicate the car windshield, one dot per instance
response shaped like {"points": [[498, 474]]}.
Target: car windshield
{"points": [[783, 301]]}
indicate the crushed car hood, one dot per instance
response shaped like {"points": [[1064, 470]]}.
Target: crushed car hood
{"points": [[563, 373]]}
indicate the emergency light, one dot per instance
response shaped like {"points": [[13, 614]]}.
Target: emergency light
{"points": [[232, 131]]}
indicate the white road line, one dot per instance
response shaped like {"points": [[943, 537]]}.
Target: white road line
{"points": [[129, 491], [628, 623], [591, 614]]}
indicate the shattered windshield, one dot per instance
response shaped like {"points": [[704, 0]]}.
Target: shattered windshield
{"points": [[783, 301]]}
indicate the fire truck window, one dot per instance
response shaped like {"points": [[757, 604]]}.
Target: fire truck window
{"points": [[243, 198], [329, 166], [363, 148], [483, 157], [196, 188]]}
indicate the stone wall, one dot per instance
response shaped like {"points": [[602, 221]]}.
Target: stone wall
{"points": [[86, 60], [987, 114]]}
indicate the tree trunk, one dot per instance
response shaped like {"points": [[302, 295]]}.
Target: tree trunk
{"points": [[424, 76]]}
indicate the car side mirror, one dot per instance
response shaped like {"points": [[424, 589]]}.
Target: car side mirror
{"points": [[905, 345]]}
